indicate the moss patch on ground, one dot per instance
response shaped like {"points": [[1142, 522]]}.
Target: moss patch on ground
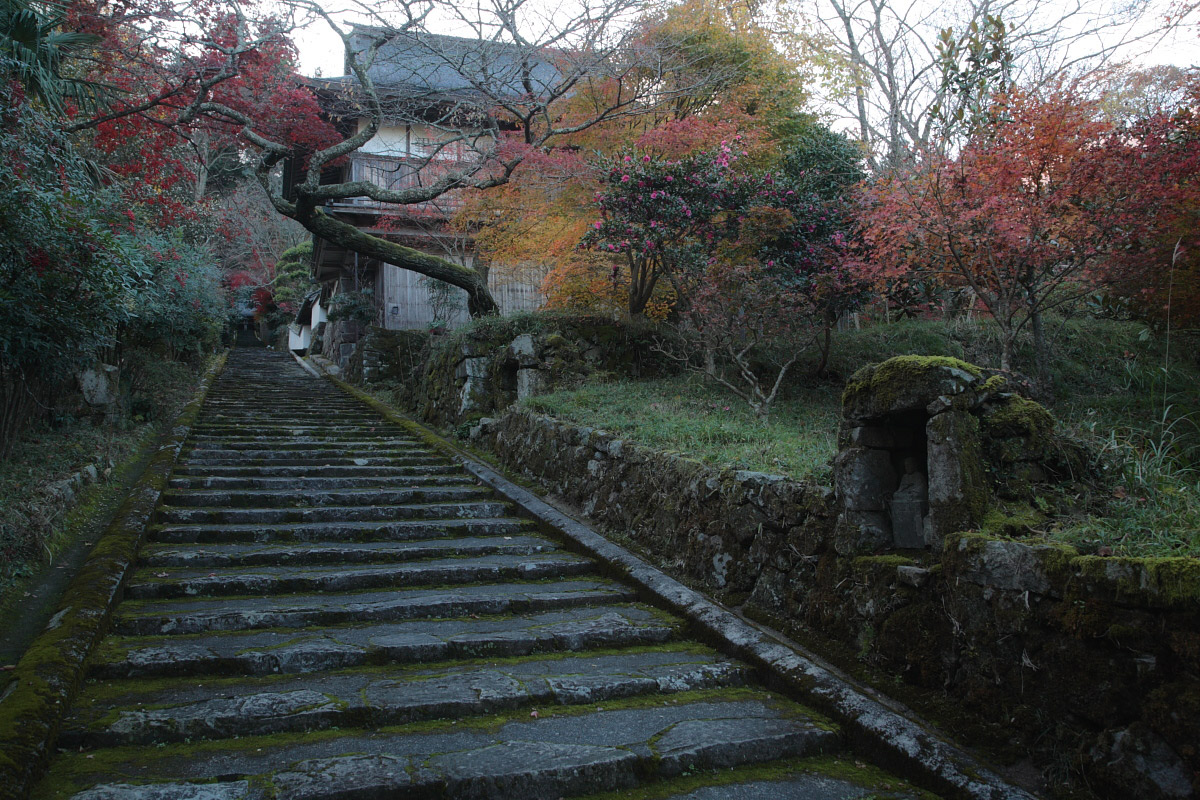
{"points": [[876, 782]]}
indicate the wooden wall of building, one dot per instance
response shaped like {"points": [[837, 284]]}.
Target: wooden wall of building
{"points": [[406, 302]]}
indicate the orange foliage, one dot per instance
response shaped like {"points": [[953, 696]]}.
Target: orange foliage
{"points": [[540, 217]]}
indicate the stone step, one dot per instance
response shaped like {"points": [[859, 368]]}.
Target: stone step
{"points": [[333, 454], [168, 582], [175, 710], [233, 417], [293, 429], [305, 444], [249, 395], [564, 751], [322, 471], [203, 615], [805, 781], [298, 484], [315, 408], [363, 439], [300, 516], [315, 649], [294, 460], [242, 555], [373, 496], [265, 400], [370, 531]]}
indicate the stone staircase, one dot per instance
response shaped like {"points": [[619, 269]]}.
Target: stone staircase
{"points": [[329, 609]]}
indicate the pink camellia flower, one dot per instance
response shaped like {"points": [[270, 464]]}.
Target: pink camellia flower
{"points": [[624, 179], [669, 179], [628, 159], [646, 159], [597, 225]]}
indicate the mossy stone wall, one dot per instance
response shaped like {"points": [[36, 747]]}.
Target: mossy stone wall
{"points": [[484, 368]]}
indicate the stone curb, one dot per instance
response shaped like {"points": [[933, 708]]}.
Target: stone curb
{"points": [[48, 676], [309, 368], [898, 742]]}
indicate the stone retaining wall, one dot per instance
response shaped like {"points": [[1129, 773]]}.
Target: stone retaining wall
{"points": [[462, 376], [718, 527], [1084, 664]]}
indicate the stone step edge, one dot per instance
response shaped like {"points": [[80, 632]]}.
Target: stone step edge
{"points": [[874, 726], [374, 775], [267, 712], [46, 680], [128, 660]]}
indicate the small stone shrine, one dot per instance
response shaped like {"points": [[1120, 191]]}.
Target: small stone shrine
{"points": [[925, 447]]}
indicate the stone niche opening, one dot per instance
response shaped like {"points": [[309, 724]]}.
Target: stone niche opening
{"points": [[509, 371], [892, 475], [907, 506]]}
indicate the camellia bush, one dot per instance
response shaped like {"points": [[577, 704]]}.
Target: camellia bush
{"points": [[659, 218]]}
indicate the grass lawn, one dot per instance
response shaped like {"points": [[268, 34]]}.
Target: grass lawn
{"points": [[687, 414]]}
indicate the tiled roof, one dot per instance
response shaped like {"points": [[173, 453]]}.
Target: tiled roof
{"points": [[417, 64]]}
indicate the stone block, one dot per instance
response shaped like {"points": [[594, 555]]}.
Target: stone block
{"points": [[908, 522], [906, 383], [871, 436], [100, 385], [958, 487], [62, 491], [862, 532], [864, 478], [1139, 762], [1001, 564], [472, 368], [910, 575], [530, 383], [475, 386], [523, 350]]}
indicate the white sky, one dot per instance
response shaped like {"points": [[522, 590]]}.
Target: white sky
{"points": [[320, 50]]}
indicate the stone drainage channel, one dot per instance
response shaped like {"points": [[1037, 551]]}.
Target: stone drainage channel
{"points": [[329, 608]]}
